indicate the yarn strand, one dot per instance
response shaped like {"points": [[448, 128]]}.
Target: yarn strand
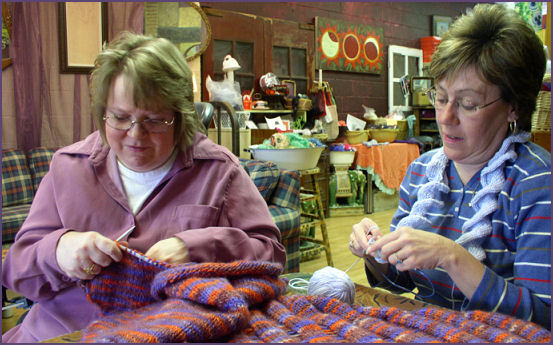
{"points": [[405, 289]]}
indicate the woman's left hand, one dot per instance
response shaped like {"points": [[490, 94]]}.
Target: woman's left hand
{"points": [[408, 248], [171, 250]]}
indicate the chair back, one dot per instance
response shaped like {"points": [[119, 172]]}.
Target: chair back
{"points": [[205, 112]]}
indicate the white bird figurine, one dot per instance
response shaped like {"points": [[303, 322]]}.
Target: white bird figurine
{"points": [[229, 66]]}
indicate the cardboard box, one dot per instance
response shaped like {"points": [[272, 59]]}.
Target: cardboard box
{"points": [[226, 140]]}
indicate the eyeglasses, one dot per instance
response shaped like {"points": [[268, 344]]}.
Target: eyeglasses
{"points": [[465, 104], [125, 123]]}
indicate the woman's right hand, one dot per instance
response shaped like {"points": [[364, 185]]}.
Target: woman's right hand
{"points": [[82, 255], [361, 234]]}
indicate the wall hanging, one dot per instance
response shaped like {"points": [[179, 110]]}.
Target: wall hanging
{"points": [[82, 30], [348, 47], [440, 25]]}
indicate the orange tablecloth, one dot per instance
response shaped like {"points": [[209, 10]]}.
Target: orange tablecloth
{"points": [[388, 163]]}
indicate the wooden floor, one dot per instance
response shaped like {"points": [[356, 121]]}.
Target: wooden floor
{"points": [[339, 229], [11, 321]]}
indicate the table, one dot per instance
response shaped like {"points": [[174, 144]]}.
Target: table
{"points": [[387, 164], [364, 296]]}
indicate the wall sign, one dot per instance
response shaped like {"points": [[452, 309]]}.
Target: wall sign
{"points": [[348, 47]]}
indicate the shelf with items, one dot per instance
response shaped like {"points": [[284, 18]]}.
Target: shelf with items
{"points": [[270, 111], [258, 116], [425, 121]]}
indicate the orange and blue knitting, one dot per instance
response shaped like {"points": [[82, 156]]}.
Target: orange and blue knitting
{"points": [[243, 301]]}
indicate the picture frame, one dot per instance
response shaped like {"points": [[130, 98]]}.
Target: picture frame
{"points": [[348, 47], [290, 88], [420, 84], [440, 25], [83, 28]]}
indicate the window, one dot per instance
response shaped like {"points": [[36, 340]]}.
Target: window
{"points": [[401, 61], [243, 53], [260, 45], [290, 63]]}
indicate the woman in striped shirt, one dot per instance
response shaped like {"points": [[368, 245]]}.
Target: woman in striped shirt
{"points": [[473, 225]]}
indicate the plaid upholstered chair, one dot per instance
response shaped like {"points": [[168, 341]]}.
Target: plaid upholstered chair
{"points": [[21, 175], [281, 190]]}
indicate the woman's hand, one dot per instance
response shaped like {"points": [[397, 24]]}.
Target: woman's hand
{"points": [[171, 250], [360, 236], [407, 249], [82, 255]]}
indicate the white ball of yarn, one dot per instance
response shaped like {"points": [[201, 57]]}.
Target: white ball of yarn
{"points": [[332, 282]]}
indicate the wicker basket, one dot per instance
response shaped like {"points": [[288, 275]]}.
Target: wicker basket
{"points": [[384, 134], [541, 118], [380, 121], [403, 129], [356, 137]]}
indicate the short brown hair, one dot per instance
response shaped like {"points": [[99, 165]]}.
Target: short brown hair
{"points": [[503, 48], [158, 74]]}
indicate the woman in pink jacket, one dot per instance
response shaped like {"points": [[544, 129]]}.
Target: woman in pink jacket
{"points": [[148, 169]]}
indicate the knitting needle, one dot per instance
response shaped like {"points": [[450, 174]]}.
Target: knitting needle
{"points": [[353, 264], [125, 233]]}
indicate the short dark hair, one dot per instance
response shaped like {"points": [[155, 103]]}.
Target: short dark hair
{"points": [[159, 77], [503, 48]]}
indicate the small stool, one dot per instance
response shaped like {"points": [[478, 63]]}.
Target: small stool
{"points": [[310, 220]]}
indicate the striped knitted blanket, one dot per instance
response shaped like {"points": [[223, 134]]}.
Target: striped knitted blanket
{"points": [[143, 300]]}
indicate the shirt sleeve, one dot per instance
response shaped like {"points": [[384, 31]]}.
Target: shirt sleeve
{"points": [[527, 294]]}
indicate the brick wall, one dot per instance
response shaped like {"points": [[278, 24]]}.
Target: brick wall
{"points": [[403, 24]]}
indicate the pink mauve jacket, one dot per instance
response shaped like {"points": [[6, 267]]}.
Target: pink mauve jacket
{"points": [[207, 200]]}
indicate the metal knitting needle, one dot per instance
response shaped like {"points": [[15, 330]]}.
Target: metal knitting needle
{"points": [[125, 233], [353, 264]]}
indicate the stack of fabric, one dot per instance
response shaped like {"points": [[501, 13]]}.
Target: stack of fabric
{"points": [[243, 301]]}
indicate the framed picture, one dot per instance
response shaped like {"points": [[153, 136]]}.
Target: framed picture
{"points": [[290, 87], [419, 84], [82, 30], [348, 47], [440, 24]]}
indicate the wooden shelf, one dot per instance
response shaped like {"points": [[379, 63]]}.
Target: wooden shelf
{"points": [[269, 111], [431, 132]]}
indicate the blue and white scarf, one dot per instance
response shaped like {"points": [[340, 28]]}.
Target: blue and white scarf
{"points": [[492, 178]]}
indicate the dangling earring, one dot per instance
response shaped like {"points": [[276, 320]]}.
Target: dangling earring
{"points": [[513, 126]]}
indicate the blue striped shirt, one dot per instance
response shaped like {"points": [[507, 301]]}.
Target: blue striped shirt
{"points": [[518, 251]]}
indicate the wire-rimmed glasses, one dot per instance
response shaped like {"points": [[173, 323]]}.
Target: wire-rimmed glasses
{"points": [[465, 104], [126, 123]]}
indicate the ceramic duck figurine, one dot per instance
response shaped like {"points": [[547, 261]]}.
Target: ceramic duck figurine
{"points": [[229, 66]]}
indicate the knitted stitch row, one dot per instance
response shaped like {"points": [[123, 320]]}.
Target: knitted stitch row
{"points": [[243, 301], [492, 178]]}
